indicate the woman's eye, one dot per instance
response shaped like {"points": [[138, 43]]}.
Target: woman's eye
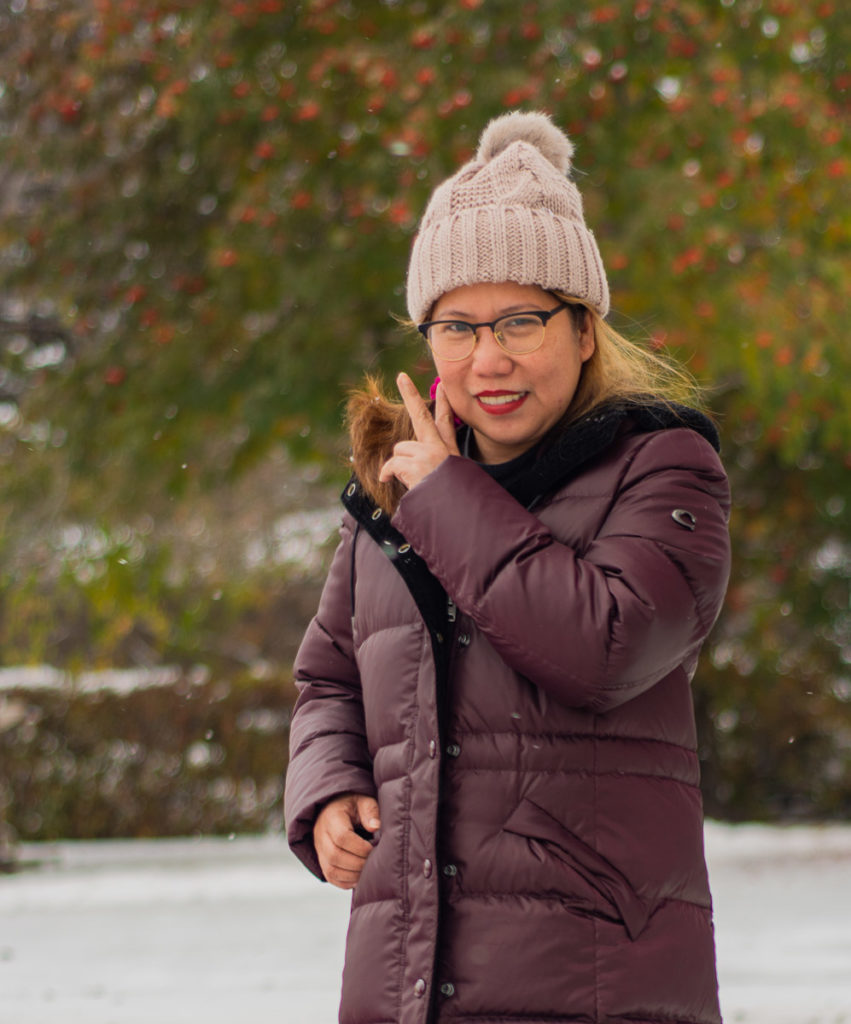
{"points": [[457, 328], [520, 323]]}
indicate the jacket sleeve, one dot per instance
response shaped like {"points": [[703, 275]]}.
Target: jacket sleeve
{"points": [[597, 627], [328, 747]]}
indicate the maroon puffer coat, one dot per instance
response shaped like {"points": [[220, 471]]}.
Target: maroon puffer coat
{"points": [[530, 740]]}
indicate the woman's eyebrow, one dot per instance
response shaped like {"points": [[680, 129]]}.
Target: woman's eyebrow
{"points": [[460, 314]]}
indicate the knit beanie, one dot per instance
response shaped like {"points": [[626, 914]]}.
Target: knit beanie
{"points": [[510, 214]]}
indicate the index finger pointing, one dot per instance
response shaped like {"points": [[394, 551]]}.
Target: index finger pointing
{"points": [[425, 428]]}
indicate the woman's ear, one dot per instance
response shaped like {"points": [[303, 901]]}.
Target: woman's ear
{"points": [[585, 332]]}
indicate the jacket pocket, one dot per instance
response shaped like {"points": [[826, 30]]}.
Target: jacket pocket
{"points": [[531, 821]]}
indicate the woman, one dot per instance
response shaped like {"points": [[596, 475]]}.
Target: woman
{"points": [[494, 741]]}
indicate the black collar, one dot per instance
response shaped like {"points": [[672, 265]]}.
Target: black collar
{"points": [[535, 474]]}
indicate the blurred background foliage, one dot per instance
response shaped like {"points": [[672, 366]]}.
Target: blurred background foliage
{"points": [[174, 754], [205, 214]]}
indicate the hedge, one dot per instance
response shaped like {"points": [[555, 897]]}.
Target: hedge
{"points": [[195, 755]]}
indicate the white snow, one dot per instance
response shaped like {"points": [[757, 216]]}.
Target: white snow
{"points": [[115, 680], [210, 931]]}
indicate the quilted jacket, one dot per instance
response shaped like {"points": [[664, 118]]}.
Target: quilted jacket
{"points": [[508, 671]]}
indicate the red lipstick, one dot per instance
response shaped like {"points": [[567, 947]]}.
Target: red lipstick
{"points": [[500, 403]]}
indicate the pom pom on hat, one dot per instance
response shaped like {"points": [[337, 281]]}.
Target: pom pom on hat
{"points": [[535, 128], [510, 214]]}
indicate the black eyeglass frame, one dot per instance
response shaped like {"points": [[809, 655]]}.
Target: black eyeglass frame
{"points": [[544, 315]]}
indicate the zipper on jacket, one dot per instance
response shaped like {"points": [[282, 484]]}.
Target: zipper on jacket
{"points": [[442, 646], [439, 614]]}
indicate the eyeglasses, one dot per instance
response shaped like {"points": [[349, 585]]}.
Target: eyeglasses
{"points": [[517, 334]]}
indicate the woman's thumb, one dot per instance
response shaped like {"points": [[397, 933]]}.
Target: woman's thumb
{"points": [[446, 420], [368, 813]]}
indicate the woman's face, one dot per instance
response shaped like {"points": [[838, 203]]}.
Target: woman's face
{"points": [[511, 401]]}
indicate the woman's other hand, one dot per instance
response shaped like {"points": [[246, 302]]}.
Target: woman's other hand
{"points": [[342, 852], [434, 436]]}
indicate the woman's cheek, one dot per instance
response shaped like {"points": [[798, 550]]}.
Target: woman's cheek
{"points": [[454, 392]]}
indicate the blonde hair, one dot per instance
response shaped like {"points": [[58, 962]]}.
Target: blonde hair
{"points": [[375, 423], [619, 371]]}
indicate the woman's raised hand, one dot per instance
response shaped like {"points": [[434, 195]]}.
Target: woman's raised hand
{"points": [[434, 436]]}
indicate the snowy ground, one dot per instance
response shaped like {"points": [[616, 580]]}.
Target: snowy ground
{"points": [[211, 931]]}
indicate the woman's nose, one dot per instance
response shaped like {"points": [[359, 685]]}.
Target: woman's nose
{"points": [[489, 358]]}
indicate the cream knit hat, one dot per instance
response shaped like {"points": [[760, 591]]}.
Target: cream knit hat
{"points": [[510, 214]]}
